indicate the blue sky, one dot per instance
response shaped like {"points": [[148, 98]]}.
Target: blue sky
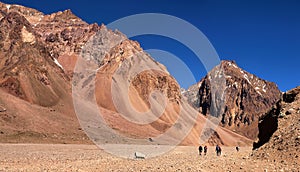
{"points": [[262, 36]]}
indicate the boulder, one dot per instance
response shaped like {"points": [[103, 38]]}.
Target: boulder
{"points": [[139, 155]]}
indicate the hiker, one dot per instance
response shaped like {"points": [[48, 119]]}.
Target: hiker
{"points": [[205, 150], [237, 148], [218, 150], [200, 150]]}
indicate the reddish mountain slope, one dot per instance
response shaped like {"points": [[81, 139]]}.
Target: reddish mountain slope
{"points": [[38, 55]]}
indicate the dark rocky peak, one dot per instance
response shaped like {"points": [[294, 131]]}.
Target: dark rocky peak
{"points": [[242, 97]]}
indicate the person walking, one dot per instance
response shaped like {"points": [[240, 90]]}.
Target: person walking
{"points": [[200, 150], [218, 150], [205, 150]]}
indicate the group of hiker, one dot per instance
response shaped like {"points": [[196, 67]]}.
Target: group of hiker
{"points": [[218, 150], [201, 149]]}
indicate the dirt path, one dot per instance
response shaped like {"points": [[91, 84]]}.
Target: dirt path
{"points": [[46, 157]]}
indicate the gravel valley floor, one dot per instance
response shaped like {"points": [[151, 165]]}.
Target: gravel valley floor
{"points": [[48, 157]]}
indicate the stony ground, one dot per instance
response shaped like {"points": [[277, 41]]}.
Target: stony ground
{"points": [[46, 157]]}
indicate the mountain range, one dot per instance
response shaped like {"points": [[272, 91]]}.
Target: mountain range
{"points": [[56, 69]]}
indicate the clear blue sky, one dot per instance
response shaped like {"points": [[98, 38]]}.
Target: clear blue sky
{"points": [[262, 36]]}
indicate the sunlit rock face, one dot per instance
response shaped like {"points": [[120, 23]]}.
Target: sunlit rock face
{"points": [[245, 97]]}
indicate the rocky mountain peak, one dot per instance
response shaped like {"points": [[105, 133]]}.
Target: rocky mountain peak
{"points": [[245, 97], [15, 27], [234, 73], [32, 15], [64, 18], [66, 15]]}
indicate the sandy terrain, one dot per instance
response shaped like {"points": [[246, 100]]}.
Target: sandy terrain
{"points": [[46, 157]]}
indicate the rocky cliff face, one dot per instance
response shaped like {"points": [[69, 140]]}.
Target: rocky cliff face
{"points": [[279, 132], [245, 97]]}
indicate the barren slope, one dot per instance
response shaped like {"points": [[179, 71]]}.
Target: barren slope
{"points": [[279, 137]]}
